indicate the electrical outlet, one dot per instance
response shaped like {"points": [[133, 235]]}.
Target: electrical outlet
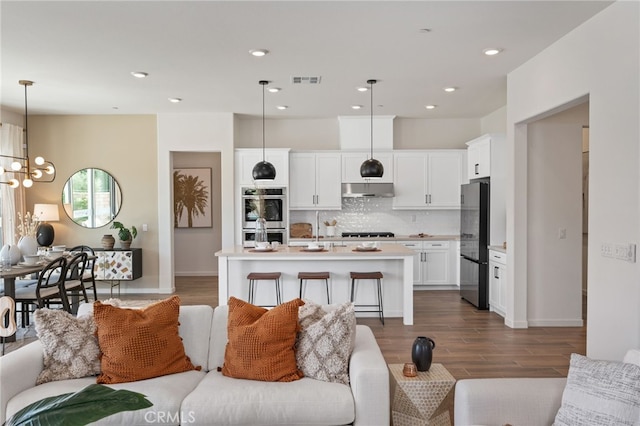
{"points": [[562, 233]]}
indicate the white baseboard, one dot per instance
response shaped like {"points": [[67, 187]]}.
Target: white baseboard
{"points": [[196, 274], [556, 322]]}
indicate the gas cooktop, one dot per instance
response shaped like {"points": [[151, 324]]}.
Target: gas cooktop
{"points": [[368, 234]]}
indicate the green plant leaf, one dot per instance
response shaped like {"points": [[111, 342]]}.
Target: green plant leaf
{"points": [[80, 408]]}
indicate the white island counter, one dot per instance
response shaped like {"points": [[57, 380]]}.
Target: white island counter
{"points": [[393, 260]]}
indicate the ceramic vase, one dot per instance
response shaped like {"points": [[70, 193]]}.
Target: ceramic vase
{"points": [[13, 252], [261, 231], [107, 242], [125, 244], [28, 245], [422, 352]]}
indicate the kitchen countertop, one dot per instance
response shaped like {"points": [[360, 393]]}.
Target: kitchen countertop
{"points": [[381, 239], [498, 248], [385, 250]]}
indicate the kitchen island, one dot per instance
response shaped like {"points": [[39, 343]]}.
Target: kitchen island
{"points": [[393, 260]]}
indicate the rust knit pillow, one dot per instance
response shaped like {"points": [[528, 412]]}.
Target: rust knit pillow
{"points": [[261, 342], [139, 344]]}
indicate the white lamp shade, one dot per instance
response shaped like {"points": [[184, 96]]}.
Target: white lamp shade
{"points": [[46, 212]]}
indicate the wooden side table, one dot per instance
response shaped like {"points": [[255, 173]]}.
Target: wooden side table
{"points": [[426, 399]]}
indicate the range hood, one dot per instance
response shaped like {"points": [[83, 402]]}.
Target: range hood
{"points": [[369, 189]]}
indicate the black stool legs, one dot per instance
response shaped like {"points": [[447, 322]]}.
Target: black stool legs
{"points": [[368, 276]]}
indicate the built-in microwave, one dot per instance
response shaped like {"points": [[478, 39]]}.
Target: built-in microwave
{"points": [[271, 200], [249, 236]]}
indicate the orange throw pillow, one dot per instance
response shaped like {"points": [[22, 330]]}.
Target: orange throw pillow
{"points": [[138, 344], [261, 342]]}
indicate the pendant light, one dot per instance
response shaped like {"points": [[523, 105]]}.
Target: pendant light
{"points": [[40, 171], [371, 168], [263, 170]]}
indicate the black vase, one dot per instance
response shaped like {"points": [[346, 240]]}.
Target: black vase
{"points": [[422, 352]]}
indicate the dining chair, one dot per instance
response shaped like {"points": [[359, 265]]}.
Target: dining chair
{"points": [[48, 291], [89, 276], [73, 283]]}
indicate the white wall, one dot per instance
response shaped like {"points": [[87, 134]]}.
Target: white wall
{"points": [[408, 133], [185, 133], [496, 122], [554, 292], [600, 58], [193, 246]]}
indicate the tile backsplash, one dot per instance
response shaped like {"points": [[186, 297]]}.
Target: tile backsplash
{"points": [[376, 214]]}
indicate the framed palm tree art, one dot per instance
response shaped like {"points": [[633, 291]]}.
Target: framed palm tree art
{"points": [[192, 198]]}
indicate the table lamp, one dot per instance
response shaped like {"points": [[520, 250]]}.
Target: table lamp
{"points": [[46, 213]]}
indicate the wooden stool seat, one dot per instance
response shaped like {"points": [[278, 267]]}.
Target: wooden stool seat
{"points": [[376, 275], [264, 276], [303, 276], [366, 275], [267, 276]]}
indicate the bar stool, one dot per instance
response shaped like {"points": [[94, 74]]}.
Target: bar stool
{"points": [[304, 276], [269, 276], [368, 276]]}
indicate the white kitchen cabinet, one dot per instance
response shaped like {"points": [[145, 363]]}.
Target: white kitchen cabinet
{"points": [[433, 262], [246, 159], [351, 162], [497, 282], [428, 179], [479, 157], [315, 181]]}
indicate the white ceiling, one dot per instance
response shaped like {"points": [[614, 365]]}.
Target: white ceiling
{"points": [[80, 54]]}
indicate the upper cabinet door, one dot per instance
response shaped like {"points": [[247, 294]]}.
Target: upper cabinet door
{"points": [[351, 162], [302, 189], [410, 180], [444, 176], [328, 182], [246, 159], [479, 157]]}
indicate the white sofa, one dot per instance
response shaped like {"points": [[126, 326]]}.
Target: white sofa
{"points": [[208, 398], [516, 401]]}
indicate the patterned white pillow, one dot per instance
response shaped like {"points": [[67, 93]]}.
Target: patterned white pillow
{"points": [[325, 341], [69, 344], [600, 393]]}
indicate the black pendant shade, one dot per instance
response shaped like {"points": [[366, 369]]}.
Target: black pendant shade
{"points": [[371, 168], [263, 170]]}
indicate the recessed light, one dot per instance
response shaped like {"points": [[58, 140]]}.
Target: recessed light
{"points": [[430, 106], [259, 52], [274, 89], [139, 74], [362, 89], [356, 106], [282, 107], [175, 100], [492, 51], [450, 89]]}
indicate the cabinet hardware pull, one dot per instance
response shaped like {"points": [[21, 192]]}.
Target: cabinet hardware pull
{"points": [[426, 199], [495, 273], [476, 168]]}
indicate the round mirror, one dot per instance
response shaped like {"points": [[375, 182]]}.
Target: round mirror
{"points": [[91, 198]]}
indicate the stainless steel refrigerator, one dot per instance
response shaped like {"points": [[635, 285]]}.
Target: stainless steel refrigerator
{"points": [[474, 238]]}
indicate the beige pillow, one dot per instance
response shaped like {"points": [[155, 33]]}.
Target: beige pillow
{"points": [[325, 341], [139, 344], [69, 344]]}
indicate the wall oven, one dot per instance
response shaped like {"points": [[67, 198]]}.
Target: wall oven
{"points": [[272, 201]]}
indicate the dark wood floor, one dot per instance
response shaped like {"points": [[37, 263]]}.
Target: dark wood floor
{"points": [[469, 343]]}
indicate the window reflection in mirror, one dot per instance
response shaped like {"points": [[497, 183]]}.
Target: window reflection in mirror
{"points": [[91, 198]]}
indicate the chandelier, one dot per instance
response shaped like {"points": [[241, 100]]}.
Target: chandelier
{"points": [[40, 171]]}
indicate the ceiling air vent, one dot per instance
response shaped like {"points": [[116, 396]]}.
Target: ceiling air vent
{"points": [[305, 80]]}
